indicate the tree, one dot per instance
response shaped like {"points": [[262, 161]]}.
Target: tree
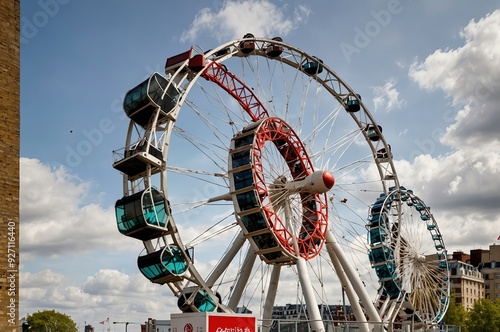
{"points": [[456, 314], [51, 321], [485, 316]]}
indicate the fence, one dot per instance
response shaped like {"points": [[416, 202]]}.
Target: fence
{"points": [[279, 325]]}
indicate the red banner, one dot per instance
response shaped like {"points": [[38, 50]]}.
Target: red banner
{"points": [[222, 323]]}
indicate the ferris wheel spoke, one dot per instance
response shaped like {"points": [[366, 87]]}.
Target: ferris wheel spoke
{"points": [[324, 131], [212, 231], [212, 121], [226, 259], [352, 167], [211, 151], [195, 171], [216, 102], [337, 149]]}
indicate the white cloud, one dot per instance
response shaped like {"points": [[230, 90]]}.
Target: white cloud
{"points": [[463, 185], [463, 196], [236, 18], [465, 72], [59, 215], [469, 75], [128, 298], [387, 96], [454, 184]]}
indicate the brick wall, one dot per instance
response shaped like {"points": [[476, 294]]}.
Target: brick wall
{"points": [[9, 164]]}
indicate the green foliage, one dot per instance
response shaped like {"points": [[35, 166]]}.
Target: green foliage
{"points": [[485, 316], [51, 320], [456, 314]]}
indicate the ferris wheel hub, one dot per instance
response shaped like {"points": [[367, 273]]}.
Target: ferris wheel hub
{"points": [[318, 182], [420, 258]]}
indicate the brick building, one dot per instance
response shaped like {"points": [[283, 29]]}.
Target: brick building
{"points": [[9, 168], [490, 268], [467, 282], [476, 275]]}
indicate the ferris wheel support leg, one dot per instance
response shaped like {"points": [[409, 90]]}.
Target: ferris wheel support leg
{"points": [[392, 312], [346, 285], [243, 279], [270, 298], [226, 260], [315, 320], [353, 278], [383, 308]]}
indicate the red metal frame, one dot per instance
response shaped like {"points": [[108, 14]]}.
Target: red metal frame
{"points": [[218, 74], [314, 206]]}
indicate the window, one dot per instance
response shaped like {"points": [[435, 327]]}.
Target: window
{"points": [[241, 158], [254, 222], [247, 200], [242, 141], [243, 179]]}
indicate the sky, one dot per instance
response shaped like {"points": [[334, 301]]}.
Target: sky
{"points": [[428, 71]]}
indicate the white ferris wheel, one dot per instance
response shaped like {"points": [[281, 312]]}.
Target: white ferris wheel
{"points": [[253, 173]]}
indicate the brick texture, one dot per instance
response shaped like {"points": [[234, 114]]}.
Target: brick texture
{"points": [[9, 164]]}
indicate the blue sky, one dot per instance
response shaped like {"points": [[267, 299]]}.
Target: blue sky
{"points": [[428, 71]]}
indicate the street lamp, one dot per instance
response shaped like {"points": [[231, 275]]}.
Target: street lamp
{"points": [[126, 324]]}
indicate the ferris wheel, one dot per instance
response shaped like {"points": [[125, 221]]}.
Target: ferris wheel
{"points": [[247, 173], [409, 257]]}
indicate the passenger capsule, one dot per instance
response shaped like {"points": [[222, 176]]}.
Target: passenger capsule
{"points": [[313, 67], [372, 132], [274, 50], [352, 104], [247, 46]]}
